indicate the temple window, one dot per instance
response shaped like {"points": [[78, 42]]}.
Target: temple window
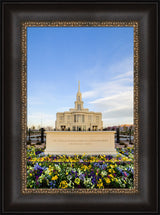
{"points": [[82, 118], [74, 118], [79, 107]]}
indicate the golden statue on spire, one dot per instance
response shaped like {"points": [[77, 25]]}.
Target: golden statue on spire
{"points": [[78, 86]]}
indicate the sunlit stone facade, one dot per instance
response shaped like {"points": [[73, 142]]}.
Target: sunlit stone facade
{"points": [[79, 118]]}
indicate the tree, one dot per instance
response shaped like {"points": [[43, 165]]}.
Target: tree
{"points": [[49, 128], [125, 128], [33, 127], [38, 127]]}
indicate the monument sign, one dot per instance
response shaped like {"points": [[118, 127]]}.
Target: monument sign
{"points": [[76, 142]]}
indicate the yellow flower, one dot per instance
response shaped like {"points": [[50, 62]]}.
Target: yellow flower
{"points": [[116, 180], [100, 184], [84, 167], [110, 170], [111, 175], [55, 177], [63, 184], [77, 180], [107, 180], [30, 174]]}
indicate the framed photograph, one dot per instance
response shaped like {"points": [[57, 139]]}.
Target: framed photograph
{"points": [[80, 153], [78, 92]]}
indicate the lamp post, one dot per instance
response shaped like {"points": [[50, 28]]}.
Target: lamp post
{"points": [[42, 135], [117, 135]]}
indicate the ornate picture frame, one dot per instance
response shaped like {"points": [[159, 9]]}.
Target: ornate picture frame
{"points": [[16, 19], [24, 103]]}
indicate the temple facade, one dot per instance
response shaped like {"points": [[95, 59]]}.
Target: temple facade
{"points": [[78, 118]]}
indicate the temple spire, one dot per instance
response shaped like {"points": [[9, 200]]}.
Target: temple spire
{"points": [[78, 86]]}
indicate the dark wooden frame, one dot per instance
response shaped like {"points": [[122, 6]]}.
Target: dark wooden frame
{"points": [[12, 16]]}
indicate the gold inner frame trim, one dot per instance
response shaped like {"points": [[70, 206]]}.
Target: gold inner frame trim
{"points": [[24, 26]]}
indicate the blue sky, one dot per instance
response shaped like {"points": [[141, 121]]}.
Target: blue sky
{"points": [[100, 57]]}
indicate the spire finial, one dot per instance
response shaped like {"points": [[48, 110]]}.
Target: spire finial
{"points": [[78, 86]]}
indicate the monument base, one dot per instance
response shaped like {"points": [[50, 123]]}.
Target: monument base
{"points": [[80, 142], [80, 153]]}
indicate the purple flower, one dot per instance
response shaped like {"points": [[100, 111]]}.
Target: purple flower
{"points": [[93, 180], [125, 174], [37, 152], [99, 178], [38, 167], [52, 184], [37, 177], [37, 183], [82, 176], [120, 170]]}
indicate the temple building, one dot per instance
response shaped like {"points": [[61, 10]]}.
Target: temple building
{"points": [[78, 118]]}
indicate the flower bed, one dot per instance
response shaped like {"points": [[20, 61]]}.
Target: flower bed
{"points": [[83, 171], [129, 152]]}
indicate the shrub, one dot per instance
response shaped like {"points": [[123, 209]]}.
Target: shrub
{"points": [[121, 143], [28, 142]]}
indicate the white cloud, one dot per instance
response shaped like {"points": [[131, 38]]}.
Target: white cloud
{"points": [[124, 75], [101, 90], [89, 94], [116, 106], [114, 99], [121, 67], [41, 119], [120, 112]]}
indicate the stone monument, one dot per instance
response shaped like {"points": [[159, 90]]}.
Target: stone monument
{"points": [[80, 142]]}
